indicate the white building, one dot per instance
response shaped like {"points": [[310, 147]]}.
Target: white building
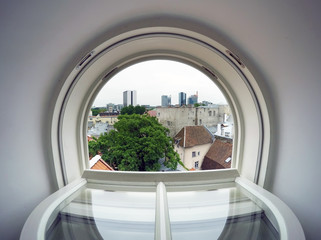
{"points": [[129, 98], [192, 143]]}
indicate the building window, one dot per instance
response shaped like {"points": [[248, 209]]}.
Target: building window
{"points": [[199, 153], [210, 113], [196, 164], [194, 154]]}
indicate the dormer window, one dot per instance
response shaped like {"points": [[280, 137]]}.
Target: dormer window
{"points": [[188, 205], [69, 122]]}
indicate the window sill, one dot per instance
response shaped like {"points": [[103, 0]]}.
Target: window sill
{"points": [[281, 217]]}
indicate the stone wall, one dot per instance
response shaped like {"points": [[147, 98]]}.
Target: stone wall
{"points": [[175, 118]]}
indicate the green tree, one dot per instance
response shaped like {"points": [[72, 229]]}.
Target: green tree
{"points": [[137, 144], [197, 104], [98, 110], [93, 147], [139, 110], [133, 110]]}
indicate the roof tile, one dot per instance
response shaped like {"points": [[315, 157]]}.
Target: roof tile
{"points": [[190, 136], [217, 154]]}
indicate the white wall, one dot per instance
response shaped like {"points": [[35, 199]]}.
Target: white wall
{"points": [[186, 155], [41, 41]]}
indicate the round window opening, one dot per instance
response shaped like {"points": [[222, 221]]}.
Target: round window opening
{"points": [[160, 115], [80, 115]]}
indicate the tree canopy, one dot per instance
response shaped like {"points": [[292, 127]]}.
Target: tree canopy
{"points": [[96, 111], [137, 144], [133, 110], [94, 147], [198, 104]]}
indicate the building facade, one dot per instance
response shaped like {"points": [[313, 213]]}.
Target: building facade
{"points": [[193, 99], [175, 118], [129, 98], [108, 118], [166, 101], [182, 99], [192, 143]]}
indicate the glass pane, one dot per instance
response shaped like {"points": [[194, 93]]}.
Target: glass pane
{"points": [[194, 128], [218, 214], [99, 214]]}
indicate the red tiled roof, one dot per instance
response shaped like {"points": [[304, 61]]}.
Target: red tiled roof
{"points": [[217, 154], [98, 163], [190, 136], [152, 113], [102, 165]]}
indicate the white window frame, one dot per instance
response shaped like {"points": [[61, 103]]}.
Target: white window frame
{"points": [[251, 144], [280, 215]]}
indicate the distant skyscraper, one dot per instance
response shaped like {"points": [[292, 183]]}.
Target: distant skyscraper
{"points": [[182, 98], [166, 101], [193, 99], [130, 98]]}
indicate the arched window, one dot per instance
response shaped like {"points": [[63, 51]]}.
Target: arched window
{"points": [[128, 192], [251, 120]]}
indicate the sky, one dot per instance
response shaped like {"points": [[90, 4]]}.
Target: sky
{"points": [[154, 78]]}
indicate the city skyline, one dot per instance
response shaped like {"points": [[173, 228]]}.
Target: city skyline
{"points": [[155, 78]]}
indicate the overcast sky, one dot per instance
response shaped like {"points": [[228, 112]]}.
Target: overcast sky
{"points": [[152, 79]]}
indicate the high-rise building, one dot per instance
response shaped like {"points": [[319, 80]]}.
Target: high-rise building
{"points": [[193, 99], [166, 101], [130, 98], [182, 98]]}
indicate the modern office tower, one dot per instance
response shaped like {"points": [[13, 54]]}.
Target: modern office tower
{"points": [[130, 98], [193, 99], [182, 98], [166, 101]]}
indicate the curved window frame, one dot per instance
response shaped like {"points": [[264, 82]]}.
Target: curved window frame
{"points": [[251, 120]]}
